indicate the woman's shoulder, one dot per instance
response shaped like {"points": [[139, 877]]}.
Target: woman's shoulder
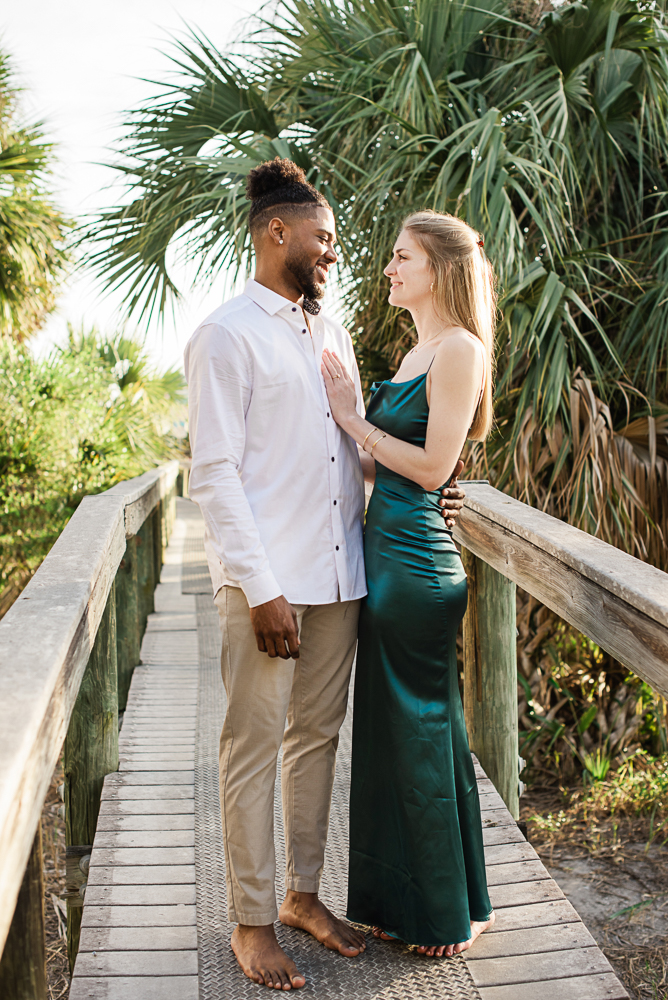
{"points": [[460, 345]]}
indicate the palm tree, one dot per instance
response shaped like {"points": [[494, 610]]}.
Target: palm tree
{"points": [[544, 128], [32, 230]]}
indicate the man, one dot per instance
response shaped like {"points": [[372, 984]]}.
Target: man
{"points": [[281, 492]]}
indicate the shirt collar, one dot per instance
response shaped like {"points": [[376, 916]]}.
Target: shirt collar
{"points": [[272, 302]]}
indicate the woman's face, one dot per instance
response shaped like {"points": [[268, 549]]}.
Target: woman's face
{"points": [[409, 272]]}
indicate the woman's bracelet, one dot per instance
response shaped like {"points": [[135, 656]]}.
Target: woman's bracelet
{"points": [[367, 437], [376, 442]]}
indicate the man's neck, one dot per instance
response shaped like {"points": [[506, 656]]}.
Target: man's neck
{"points": [[278, 283]]}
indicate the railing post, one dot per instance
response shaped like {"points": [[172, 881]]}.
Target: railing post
{"points": [[23, 962], [128, 640], [490, 676], [91, 752], [145, 572], [157, 517]]}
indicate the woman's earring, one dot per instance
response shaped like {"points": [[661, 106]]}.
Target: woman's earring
{"points": [[431, 287]]}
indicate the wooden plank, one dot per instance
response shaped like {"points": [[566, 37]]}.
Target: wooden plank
{"points": [[141, 895], [120, 780], [138, 963], [514, 873], [600, 987], [153, 838], [529, 940], [141, 875], [551, 913], [143, 792], [136, 765], [139, 916], [503, 854], [116, 857], [618, 601], [526, 892], [158, 821], [138, 939], [508, 834], [151, 807], [538, 967], [135, 988]]}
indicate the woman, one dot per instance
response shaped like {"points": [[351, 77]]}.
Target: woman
{"points": [[417, 866]]}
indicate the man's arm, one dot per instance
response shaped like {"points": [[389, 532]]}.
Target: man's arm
{"points": [[219, 390]]}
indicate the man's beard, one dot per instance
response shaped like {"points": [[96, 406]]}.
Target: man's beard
{"points": [[300, 266]]}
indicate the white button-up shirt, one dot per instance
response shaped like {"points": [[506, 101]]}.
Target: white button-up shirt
{"points": [[279, 484]]}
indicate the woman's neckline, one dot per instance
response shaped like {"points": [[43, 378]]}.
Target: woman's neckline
{"points": [[407, 380]]}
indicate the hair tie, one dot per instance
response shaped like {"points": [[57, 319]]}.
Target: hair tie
{"points": [[481, 242]]}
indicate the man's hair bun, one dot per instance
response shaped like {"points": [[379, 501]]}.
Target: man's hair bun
{"points": [[279, 182], [273, 174]]}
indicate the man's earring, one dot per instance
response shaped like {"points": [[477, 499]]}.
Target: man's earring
{"points": [[280, 241]]}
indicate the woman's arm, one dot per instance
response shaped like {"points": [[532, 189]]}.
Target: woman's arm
{"points": [[455, 378], [368, 466]]}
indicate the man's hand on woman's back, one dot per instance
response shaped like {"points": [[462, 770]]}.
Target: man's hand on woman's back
{"points": [[453, 498]]}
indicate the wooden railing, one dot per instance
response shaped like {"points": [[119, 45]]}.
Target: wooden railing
{"points": [[68, 647], [616, 600]]}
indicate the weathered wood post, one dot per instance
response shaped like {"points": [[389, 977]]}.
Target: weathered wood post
{"points": [[23, 962], [128, 639], [145, 572], [91, 752], [490, 676], [158, 520]]}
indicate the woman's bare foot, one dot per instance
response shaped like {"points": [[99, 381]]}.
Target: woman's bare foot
{"points": [[262, 959], [448, 950], [306, 911], [378, 932]]}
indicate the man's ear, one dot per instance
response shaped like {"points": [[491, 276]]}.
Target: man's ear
{"points": [[277, 230]]}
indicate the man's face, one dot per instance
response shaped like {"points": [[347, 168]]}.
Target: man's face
{"points": [[310, 252]]}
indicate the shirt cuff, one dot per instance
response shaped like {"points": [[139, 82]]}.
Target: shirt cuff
{"points": [[260, 589]]}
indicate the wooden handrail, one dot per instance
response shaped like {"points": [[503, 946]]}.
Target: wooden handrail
{"points": [[46, 639], [618, 601]]}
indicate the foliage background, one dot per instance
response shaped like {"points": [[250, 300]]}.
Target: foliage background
{"points": [[88, 416], [546, 129]]}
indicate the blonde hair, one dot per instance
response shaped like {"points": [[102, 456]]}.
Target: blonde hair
{"points": [[464, 291]]}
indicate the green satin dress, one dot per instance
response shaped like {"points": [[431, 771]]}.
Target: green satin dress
{"points": [[417, 866]]}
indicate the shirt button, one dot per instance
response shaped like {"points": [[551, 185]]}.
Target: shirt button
{"points": [[303, 331], [294, 309], [333, 458], [335, 503], [328, 414], [337, 548]]}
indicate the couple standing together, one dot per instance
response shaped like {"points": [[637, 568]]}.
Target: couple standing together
{"points": [[281, 447]]}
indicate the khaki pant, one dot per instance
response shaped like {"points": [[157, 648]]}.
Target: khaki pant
{"points": [[310, 695]]}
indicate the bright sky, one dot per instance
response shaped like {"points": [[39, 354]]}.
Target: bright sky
{"points": [[80, 62]]}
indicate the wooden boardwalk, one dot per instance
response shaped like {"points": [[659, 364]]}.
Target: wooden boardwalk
{"points": [[140, 929]]}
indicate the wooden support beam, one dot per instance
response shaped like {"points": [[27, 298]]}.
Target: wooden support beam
{"points": [[159, 542], [145, 572], [23, 962], [91, 750], [128, 638], [490, 676]]}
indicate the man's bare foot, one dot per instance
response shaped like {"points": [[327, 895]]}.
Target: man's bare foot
{"points": [[306, 911], [262, 959], [448, 950]]}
